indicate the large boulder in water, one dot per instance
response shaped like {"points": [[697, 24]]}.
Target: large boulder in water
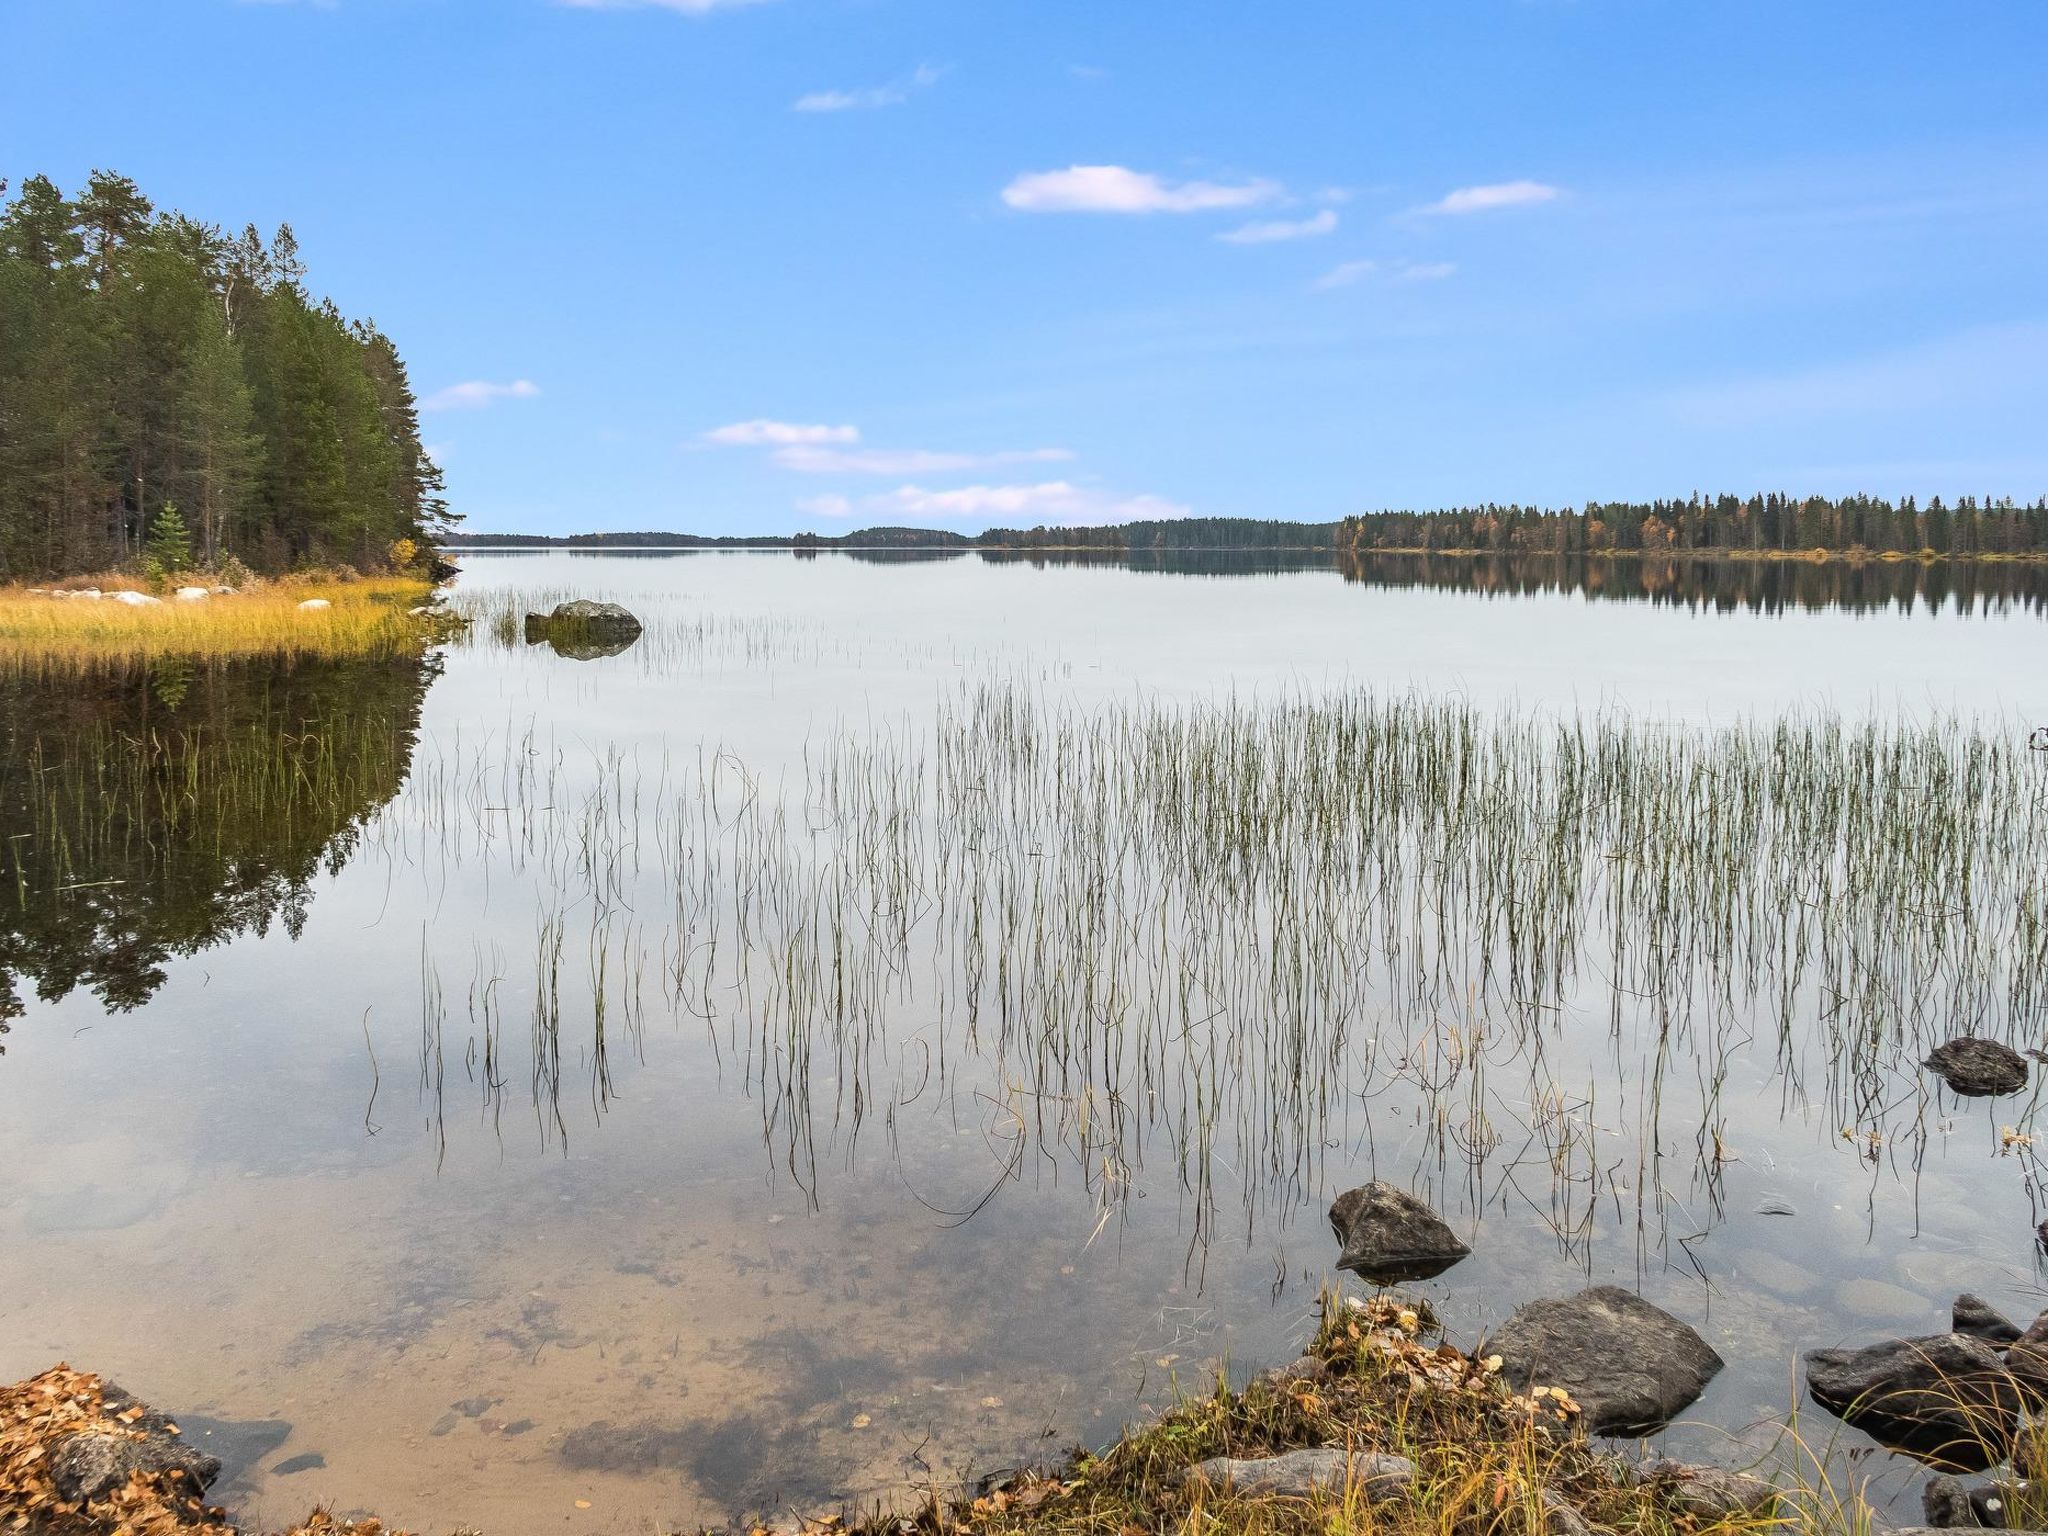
{"points": [[1388, 1235], [1631, 1367], [583, 630], [1978, 1068], [1947, 1398]]}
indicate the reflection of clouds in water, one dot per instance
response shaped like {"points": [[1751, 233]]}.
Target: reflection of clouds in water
{"points": [[1141, 1176]]}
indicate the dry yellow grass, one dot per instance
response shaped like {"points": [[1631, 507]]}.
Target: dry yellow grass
{"points": [[366, 617]]}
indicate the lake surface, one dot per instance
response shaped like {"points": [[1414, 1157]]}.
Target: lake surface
{"points": [[905, 1015]]}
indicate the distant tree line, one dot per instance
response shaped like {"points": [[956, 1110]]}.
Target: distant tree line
{"points": [[1966, 528], [147, 361], [1755, 524]]}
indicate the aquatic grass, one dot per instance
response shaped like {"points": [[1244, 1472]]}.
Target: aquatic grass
{"points": [[55, 636], [1237, 933]]}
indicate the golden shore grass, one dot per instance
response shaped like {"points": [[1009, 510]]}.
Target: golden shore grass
{"points": [[365, 617]]}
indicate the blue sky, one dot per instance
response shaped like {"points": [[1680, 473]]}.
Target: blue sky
{"points": [[749, 267]]}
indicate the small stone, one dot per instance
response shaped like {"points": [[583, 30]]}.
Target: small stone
{"points": [[1304, 1474], [1880, 1302], [1387, 1235], [473, 1407], [1711, 1493], [1977, 1068], [1976, 1317], [311, 1461], [444, 1424]]}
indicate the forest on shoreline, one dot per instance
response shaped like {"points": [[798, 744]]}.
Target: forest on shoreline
{"points": [[150, 362], [1760, 526]]}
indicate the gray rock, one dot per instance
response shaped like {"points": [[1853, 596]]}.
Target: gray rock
{"points": [[1631, 1366], [1945, 1398], [307, 1461], [1711, 1493], [84, 1468], [1309, 1368], [1949, 1503], [1560, 1519], [583, 630], [1978, 1068], [1975, 1316], [2027, 1358], [1304, 1474], [1387, 1235]]}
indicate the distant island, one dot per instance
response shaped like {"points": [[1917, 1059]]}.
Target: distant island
{"points": [[1724, 527]]}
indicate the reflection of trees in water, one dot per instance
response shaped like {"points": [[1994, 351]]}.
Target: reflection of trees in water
{"points": [[152, 813], [1721, 585]]}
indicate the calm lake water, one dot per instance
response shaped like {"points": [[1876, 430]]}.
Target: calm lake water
{"points": [[905, 1015]]}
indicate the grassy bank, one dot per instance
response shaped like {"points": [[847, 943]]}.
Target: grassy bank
{"points": [[41, 628], [1437, 1445]]}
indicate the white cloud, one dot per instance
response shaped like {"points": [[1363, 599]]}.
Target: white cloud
{"points": [[1053, 501], [1499, 194], [1272, 230], [762, 433], [894, 94], [477, 393], [812, 460], [1345, 274], [1117, 189]]}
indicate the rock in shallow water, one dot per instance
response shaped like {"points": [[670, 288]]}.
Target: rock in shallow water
{"points": [[1978, 1068], [1302, 1474], [1630, 1366], [1388, 1235], [1945, 1398], [1976, 1317], [88, 1467]]}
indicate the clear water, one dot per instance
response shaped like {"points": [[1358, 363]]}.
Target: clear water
{"points": [[315, 1164]]}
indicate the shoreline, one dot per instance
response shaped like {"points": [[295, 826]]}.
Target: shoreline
{"points": [[1380, 1425]]}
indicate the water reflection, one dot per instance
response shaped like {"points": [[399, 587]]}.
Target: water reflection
{"points": [[156, 812]]}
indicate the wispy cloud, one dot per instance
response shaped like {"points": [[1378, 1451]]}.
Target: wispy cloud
{"points": [[477, 393], [1051, 501], [763, 433], [810, 460], [1348, 273], [1118, 189], [1996, 368], [1499, 194], [685, 7], [1270, 231], [893, 94]]}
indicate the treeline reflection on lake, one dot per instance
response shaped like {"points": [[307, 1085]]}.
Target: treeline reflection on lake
{"points": [[151, 813], [1705, 582]]}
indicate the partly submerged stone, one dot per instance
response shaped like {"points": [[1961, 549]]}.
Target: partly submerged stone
{"points": [[1978, 1068], [1945, 1398], [1975, 1316], [583, 630], [86, 1467], [2027, 1359], [1306, 1474], [1387, 1235], [1631, 1366]]}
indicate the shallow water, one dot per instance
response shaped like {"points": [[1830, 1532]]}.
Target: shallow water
{"points": [[312, 1112]]}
